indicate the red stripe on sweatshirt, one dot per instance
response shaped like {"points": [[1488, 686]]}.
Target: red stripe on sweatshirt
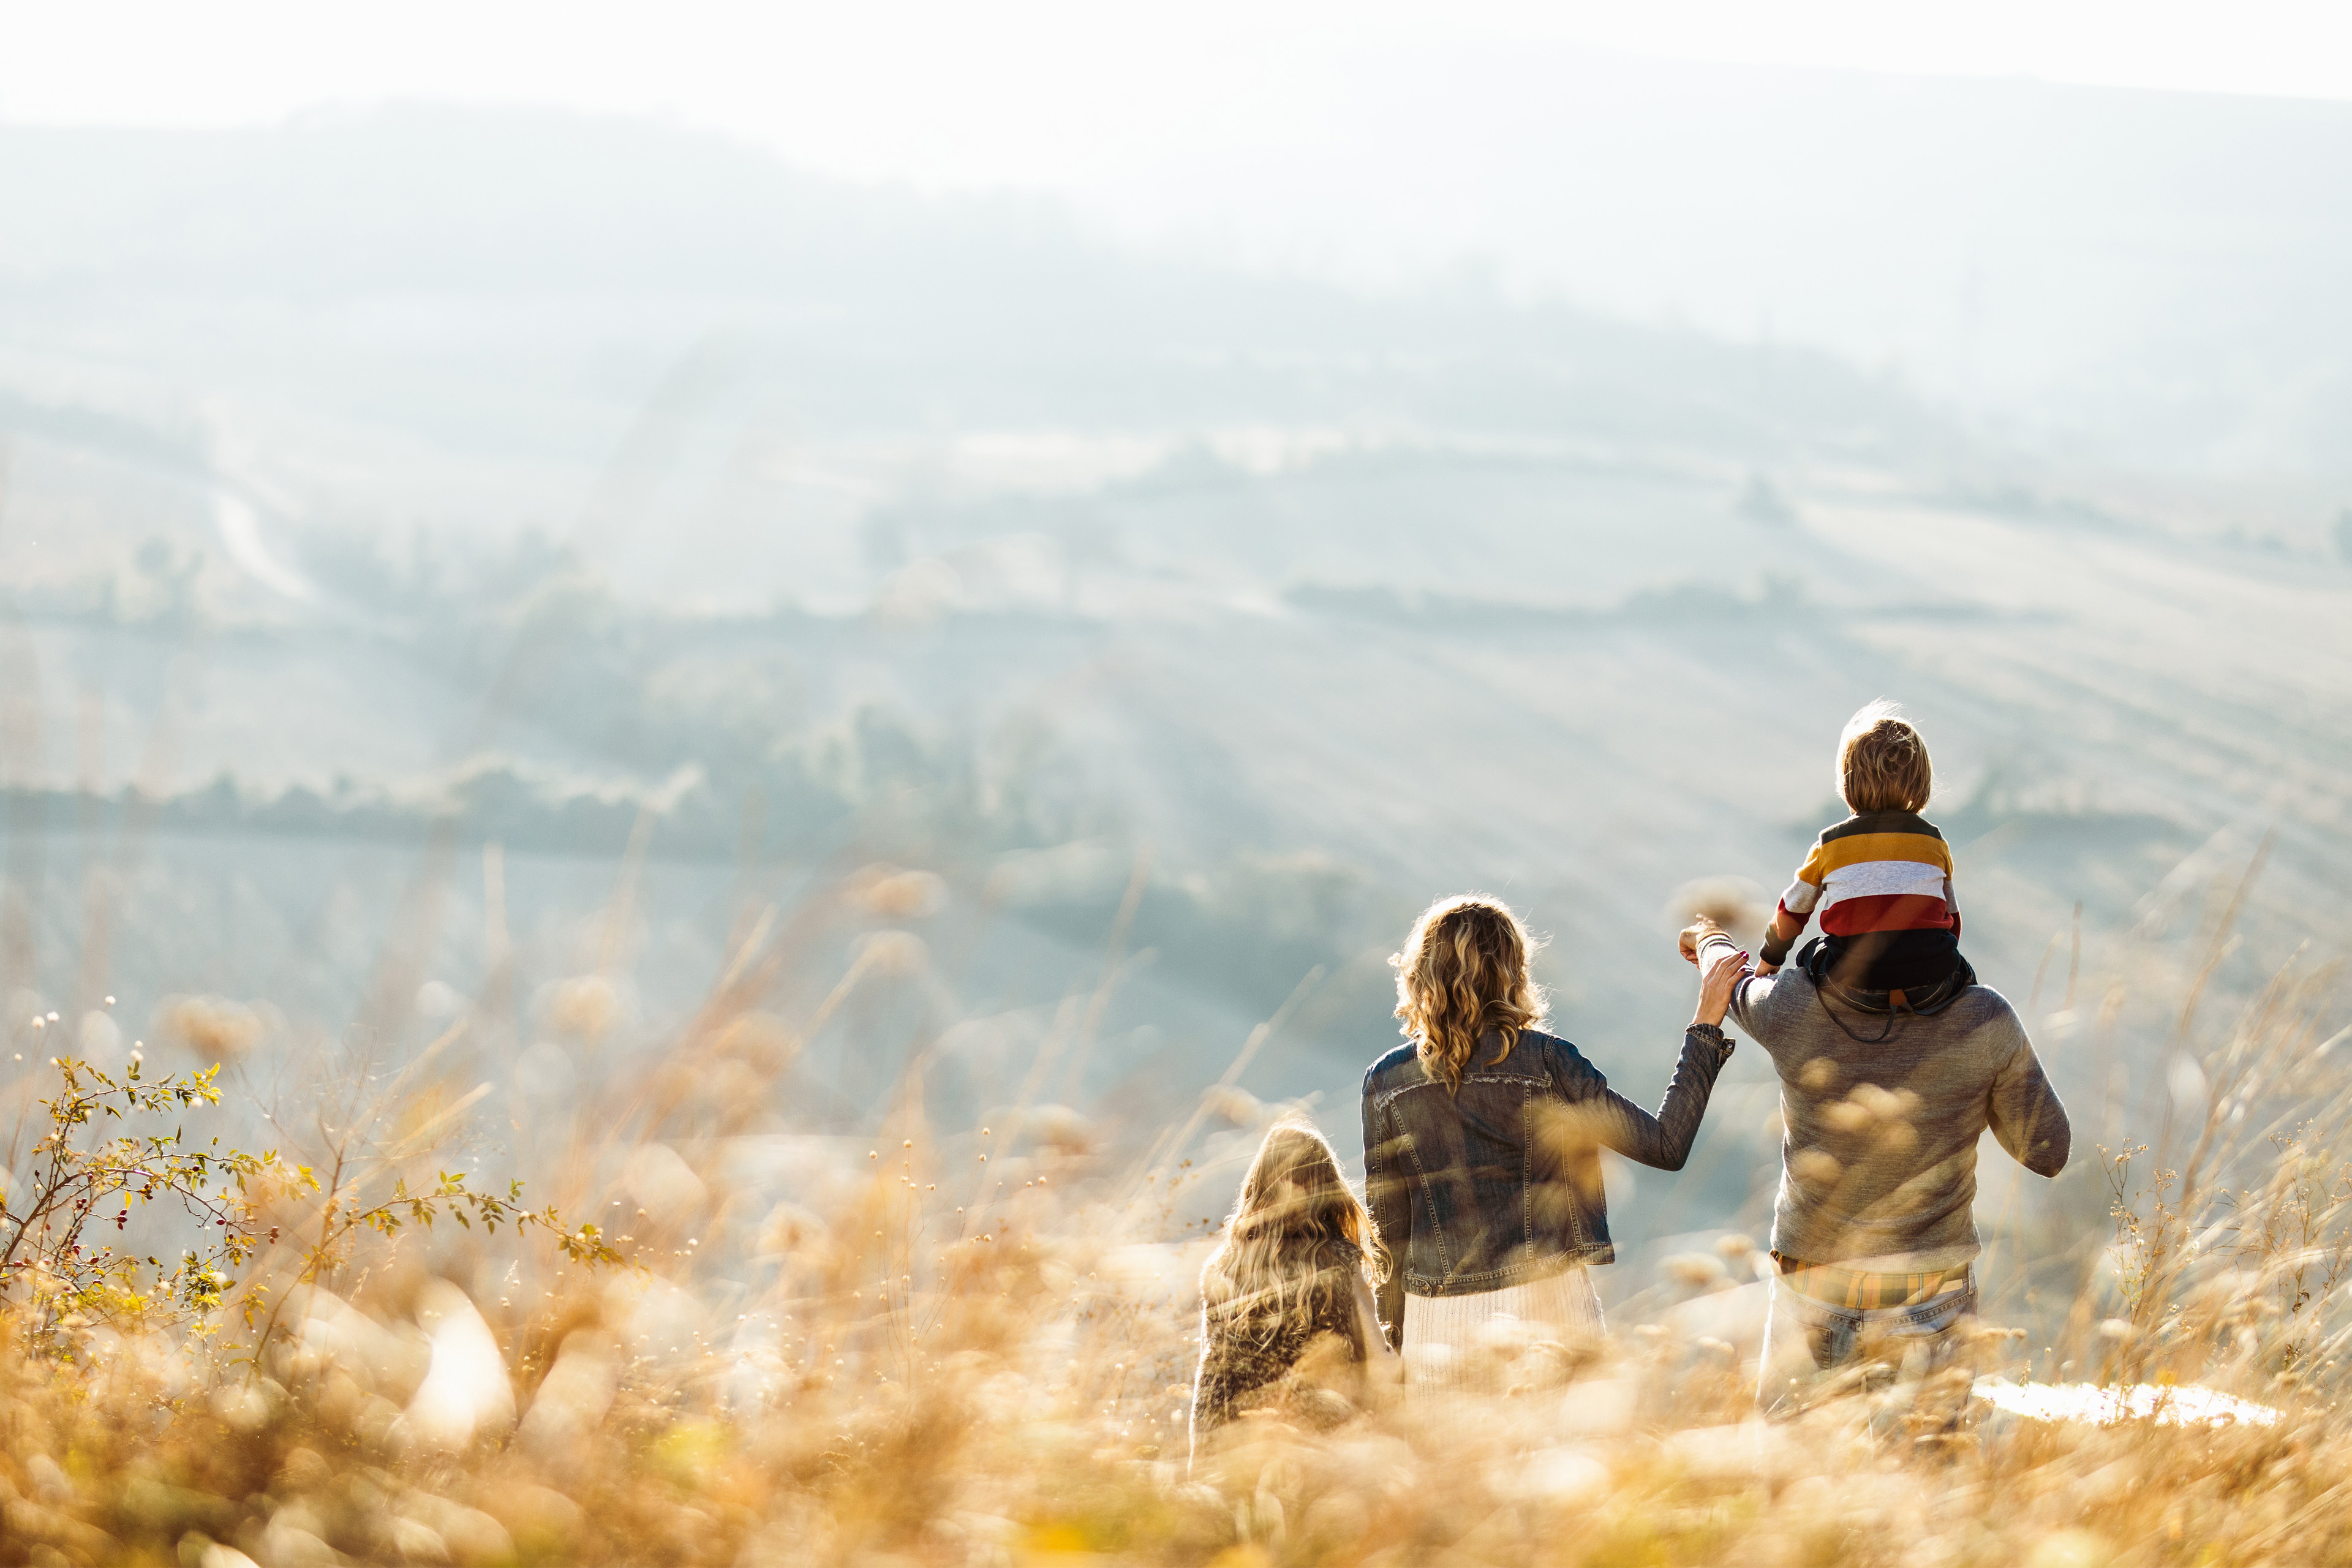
{"points": [[1886, 912]]}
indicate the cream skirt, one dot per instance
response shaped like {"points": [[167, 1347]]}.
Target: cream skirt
{"points": [[1479, 1342]]}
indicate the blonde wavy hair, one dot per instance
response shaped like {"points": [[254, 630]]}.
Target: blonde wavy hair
{"points": [[1297, 1237], [1464, 970]]}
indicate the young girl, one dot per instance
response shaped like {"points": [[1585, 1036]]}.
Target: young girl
{"points": [[1286, 1318]]}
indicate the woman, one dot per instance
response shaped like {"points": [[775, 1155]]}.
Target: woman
{"points": [[1286, 1320], [1483, 1140]]}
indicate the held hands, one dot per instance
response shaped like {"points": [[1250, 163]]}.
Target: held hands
{"points": [[1725, 965], [1697, 934]]}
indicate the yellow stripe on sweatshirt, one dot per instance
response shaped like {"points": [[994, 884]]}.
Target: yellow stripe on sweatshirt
{"points": [[1856, 847]]}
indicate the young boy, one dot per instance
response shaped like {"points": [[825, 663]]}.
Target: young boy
{"points": [[1881, 880]]}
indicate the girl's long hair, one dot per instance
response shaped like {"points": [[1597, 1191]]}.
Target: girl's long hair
{"points": [[1463, 972], [1297, 1240]]}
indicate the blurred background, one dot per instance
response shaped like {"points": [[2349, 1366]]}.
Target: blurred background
{"points": [[1026, 543]]}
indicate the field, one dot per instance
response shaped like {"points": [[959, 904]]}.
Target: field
{"points": [[947, 1343]]}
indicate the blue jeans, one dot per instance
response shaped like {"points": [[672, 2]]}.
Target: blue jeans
{"points": [[1804, 1339]]}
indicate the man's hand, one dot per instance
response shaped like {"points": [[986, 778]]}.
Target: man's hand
{"points": [[1726, 966]]}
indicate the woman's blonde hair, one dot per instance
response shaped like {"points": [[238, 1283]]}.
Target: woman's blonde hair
{"points": [[1298, 1239], [1883, 762], [1464, 970]]}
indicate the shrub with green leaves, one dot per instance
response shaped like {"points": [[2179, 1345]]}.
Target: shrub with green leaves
{"points": [[101, 1159]]}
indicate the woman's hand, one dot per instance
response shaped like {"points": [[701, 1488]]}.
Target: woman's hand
{"points": [[1725, 966]]}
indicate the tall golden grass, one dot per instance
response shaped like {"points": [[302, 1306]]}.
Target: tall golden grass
{"points": [[973, 1345]]}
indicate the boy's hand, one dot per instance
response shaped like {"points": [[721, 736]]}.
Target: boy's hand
{"points": [[1768, 969]]}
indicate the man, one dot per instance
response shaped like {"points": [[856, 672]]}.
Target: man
{"points": [[1882, 1097]]}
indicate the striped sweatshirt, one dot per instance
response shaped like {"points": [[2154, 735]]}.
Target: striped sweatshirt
{"points": [[1882, 884]]}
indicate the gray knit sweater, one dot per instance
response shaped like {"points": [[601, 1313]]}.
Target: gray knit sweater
{"points": [[1878, 1165]]}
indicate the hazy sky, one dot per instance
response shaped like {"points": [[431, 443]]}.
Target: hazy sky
{"points": [[1384, 141], [1049, 92]]}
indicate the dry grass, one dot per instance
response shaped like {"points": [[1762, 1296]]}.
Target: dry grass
{"points": [[952, 1346]]}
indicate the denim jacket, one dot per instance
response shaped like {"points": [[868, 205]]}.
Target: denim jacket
{"points": [[1499, 1183]]}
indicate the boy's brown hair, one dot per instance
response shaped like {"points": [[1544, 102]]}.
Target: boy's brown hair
{"points": [[1883, 762]]}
